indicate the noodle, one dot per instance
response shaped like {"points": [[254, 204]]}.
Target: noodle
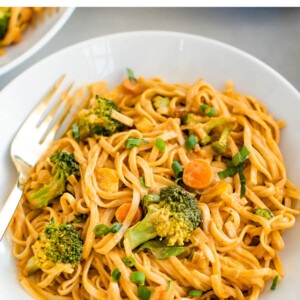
{"points": [[234, 253], [19, 20]]}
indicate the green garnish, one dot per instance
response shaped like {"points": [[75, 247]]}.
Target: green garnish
{"points": [[236, 166], [115, 227], [191, 142], [160, 144], [138, 277], [134, 142], [195, 293], [131, 76], [116, 274], [207, 110], [143, 292], [177, 168], [128, 261], [102, 229], [142, 181], [274, 283]]}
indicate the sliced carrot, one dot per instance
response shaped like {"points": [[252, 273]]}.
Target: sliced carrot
{"points": [[159, 293], [197, 174], [133, 87], [122, 212]]}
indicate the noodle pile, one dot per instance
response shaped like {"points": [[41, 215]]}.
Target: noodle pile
{"points": [[20, 19], [235, 252]]}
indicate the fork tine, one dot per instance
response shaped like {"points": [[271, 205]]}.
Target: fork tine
{"points": [[43, 105], [50, 124]]}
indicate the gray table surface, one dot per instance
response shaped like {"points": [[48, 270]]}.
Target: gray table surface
{"points": [[269, 33]]}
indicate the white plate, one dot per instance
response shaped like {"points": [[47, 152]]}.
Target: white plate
{"points": [[33, 39], [176, 57]]}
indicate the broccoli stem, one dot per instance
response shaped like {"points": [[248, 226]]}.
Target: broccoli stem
{"points": [[31, 266], [142, 231], [220, 145]]}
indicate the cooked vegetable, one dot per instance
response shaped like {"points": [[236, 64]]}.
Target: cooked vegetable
{"points": [[131, 76], [263, 212], [138, 277], [144, 293], [207, 110], [97, 120], [202, 129], [159, 250], [274, 283], [191, 142], [220, 145], [122, 212], [102, 229], [56, 244], [161, 104], [160, 144], [195, 293], [116, 274], [171, 216], [236, 166], [177, 168], [128, 261], [63, 166], [197, 174], [134, 142], [130, 83], [4, 20]]}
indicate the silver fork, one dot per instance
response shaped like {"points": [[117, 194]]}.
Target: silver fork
{"points": [[36, 134]]}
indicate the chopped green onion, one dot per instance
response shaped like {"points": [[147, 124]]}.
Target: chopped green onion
{"points": [[274, 283], [101, 229], [195, 293], [138, 277], [242, 179], [142, 181], [143, 292], [116, 274], [115, 227], [160, 144], [227, 173], [240, 157], [78, 218], [128, 261], [131, 75], [177, 168], [207, 110], [191, 142], [236, 166], [134, 142]]}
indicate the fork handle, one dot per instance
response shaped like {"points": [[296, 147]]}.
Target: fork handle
{"points": [[9, 207]]}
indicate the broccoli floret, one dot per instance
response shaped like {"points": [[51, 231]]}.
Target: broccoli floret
{"points": [[172, 218], [97, 120], [4, 21], [64, 165], [220, 145], [204, 127], [161, 104], [191, 119], [56, 244], [263, 212]]}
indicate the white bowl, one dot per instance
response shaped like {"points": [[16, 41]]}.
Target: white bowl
{"points": [[176, 57], [33, 39]]}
